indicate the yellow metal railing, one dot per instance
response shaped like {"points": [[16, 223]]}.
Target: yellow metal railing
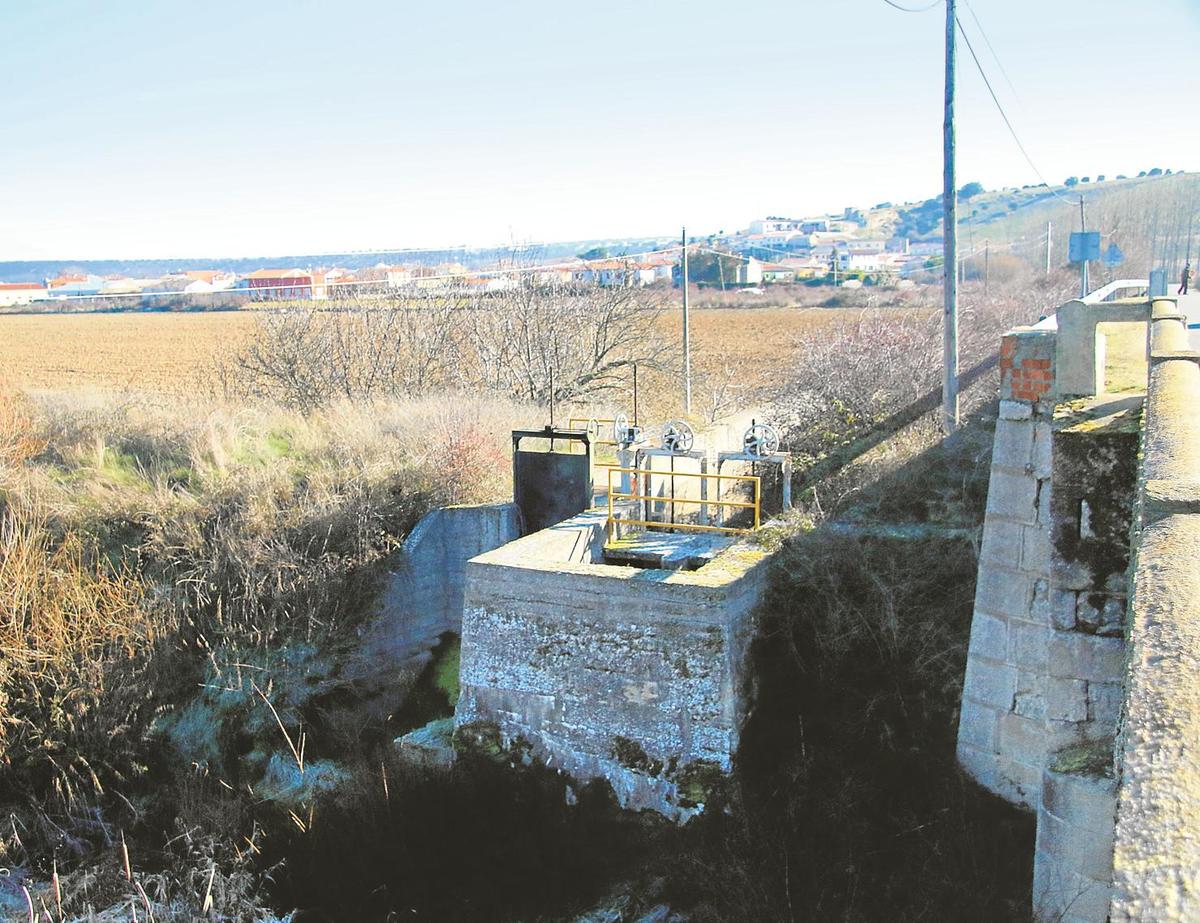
{"points": [[638, 484]]}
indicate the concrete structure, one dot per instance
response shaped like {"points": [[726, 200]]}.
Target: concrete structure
{"points": [[421, 597], [628, 674], [1054, 665]]}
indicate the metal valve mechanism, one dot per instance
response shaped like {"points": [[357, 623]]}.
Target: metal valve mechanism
{"points": [[623, 433], [761, 440], [677, 437]]}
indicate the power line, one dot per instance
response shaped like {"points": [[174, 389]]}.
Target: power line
{"points": [[909, 9], [1004, 115], [991, 48]]}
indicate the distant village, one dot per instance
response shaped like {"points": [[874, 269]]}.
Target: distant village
{"points": [[771, 251]]}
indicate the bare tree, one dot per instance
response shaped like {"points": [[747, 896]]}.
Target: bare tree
{"points": [[586, 337], [512, 341], [361, 348]]}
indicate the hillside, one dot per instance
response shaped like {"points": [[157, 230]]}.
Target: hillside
{"points": [[1147, 217]]}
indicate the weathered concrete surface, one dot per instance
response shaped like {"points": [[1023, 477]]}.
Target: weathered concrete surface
{"points": [[1156, 862], [1157, 859], [1080, 358], [1072, 868], [422, 597], [422, 594], [627, 674]]}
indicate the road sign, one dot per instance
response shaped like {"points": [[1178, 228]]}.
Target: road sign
{"points": [[1085, 246], [1158, 283], [1113, 256]]}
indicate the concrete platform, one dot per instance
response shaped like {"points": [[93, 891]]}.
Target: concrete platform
{"points": [[667, 550]]}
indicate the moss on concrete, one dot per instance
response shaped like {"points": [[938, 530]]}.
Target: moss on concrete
{"points": [[1090, 758], [632, 755], [479, 737], [699, 782]]}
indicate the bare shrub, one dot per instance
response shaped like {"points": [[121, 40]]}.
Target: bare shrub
{"points": [[368, 348], [877, 362], [512, 342]]}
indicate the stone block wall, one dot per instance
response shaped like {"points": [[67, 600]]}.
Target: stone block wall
{"points": [[1046, 654], [1007, 692], [631, 675], [1072, 868]]}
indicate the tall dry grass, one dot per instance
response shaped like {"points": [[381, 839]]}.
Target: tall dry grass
{"points": [[76, 638], [142, 539]]}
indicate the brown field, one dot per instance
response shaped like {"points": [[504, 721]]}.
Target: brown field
{"points": [[177, 353], [173, 353]]}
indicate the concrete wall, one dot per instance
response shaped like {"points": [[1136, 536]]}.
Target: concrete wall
{"points": [[422, 594], [1156, 863], [631, 675], [1118, 838]]}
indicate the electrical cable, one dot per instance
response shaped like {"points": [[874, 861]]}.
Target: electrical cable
{"points": [[995, 99], [909, 9], [991, 48]]}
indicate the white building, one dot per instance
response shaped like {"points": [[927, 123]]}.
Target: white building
{"points": [[13, 293]]}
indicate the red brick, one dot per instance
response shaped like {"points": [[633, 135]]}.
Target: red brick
{"points": [[1036, 363]]}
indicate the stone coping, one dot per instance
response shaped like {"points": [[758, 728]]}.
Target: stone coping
{"points": [[1156, 857]]}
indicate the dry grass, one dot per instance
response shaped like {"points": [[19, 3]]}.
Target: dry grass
{"points": [[142, 538]]}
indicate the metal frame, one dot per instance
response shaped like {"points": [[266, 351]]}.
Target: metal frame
{"points": [[598, 421], [782, 459], [636, 495]]}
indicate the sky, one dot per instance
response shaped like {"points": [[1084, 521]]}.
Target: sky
{"points": [[163, 129]]}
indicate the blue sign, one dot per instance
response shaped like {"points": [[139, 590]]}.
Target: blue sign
{"points": [[1113, 256], [1085, 246]]}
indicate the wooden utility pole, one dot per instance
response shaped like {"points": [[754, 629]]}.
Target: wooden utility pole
{"points": [[1083, 263], [687, 342], [1049, 235], [950, 237]]}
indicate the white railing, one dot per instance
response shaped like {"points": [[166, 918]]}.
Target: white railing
{"points": [[1120, 285]]}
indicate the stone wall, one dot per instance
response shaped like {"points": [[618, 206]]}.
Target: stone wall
{"points": [[1005, 699], [1072, 870], [1156, 862], [631, 675]]}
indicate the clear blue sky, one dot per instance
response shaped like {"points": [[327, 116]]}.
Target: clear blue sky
{"points": [[146, 129]]}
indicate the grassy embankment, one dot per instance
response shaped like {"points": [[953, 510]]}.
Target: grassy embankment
{"points": [[244, 542]]}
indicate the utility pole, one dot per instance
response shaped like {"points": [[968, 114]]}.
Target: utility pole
{"points": [[950, 237], [1049, 235], [687, 342], [1083, 264], [987, 265]]}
